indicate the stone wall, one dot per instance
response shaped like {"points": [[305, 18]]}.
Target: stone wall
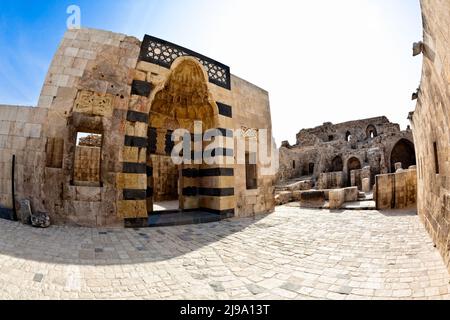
{"points": [[396, 190], [431, 125], [331, 180], [21, 134]]}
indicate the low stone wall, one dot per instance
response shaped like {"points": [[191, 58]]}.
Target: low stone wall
{"points": [[397, 190], [331, 180]]}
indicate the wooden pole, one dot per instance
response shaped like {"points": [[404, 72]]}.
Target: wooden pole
{"points": [[14, 217]]}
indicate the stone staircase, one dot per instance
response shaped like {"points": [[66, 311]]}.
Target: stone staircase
{"points": [[365, 202]]}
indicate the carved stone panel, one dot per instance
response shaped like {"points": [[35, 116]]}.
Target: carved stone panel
{"points": [[94, 104]]}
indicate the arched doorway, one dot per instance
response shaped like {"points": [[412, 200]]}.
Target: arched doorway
{"points": [[337, 164], [352, 164], [404, 153], [182, 102]]}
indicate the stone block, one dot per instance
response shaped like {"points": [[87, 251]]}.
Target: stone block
{"points": [[134, 154], [136, 129], [312, 199], [87, 194], [366, 185], [351, 194], [296, 195], [4, 127], [139, 104], [385, 185], [337, 198], [127, 209], [32, 130], [24, 211], [217, 203], [141, 88], [283, 197], [131, 181]]}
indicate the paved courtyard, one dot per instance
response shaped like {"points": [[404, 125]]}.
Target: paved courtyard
{"points": [[291, 254]]}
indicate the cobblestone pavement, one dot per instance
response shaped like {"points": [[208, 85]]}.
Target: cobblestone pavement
{"points": [[291, 254]]}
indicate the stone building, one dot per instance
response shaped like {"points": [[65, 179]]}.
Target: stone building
{"points": [[340, 155], [431, 124], [96, 149]]}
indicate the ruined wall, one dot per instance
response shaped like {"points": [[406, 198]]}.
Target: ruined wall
{"points": [[87, 89], [343, 148], [21, 134], [431, 125]]}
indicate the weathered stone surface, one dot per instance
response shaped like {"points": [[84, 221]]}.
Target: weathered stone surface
{"points": [[366, 185], [396, 191], [283, 197], [94, 104], [351, 194], [337, 198], [312, 199]]}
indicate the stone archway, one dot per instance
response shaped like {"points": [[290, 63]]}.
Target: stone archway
{"points": [[179, 103], [352, 164], [404, 153]]}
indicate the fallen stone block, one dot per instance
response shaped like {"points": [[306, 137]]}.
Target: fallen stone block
{"points": [[301, 186], [40, 220], [337, 199], [296, 195], [283, 197], [351, 194], [312, 199]]}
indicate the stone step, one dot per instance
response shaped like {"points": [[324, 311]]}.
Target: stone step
{"points": [[168, 219], [360, 205]]}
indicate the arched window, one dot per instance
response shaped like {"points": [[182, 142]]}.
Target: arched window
{"points": [[348, 136], [371, 132]]}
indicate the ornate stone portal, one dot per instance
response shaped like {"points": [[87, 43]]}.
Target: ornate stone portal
{"points": [[132, 96]]}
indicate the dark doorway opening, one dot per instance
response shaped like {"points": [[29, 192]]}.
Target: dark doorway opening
{"points": [[404, 153]]}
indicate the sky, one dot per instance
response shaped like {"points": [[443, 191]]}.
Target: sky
{"points": [[320, 60]]}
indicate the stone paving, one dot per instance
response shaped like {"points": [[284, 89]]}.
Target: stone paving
{"points": [[291, 254]]}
